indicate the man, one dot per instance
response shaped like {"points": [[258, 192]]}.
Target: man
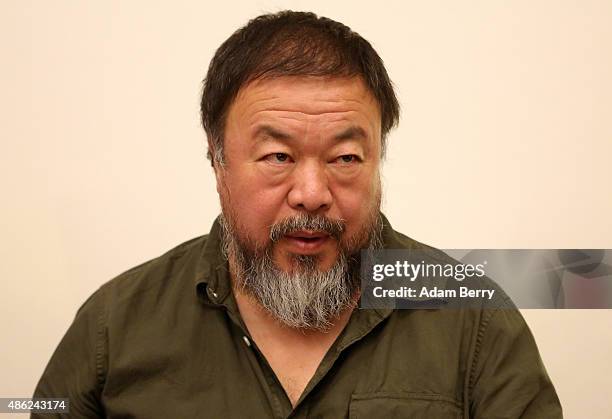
{"points": [[260, 317]]}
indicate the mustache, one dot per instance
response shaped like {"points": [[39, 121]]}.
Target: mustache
{"points": [[305, 221]]}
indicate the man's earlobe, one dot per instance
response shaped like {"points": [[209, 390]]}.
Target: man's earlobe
{"points": [[209, 156]]}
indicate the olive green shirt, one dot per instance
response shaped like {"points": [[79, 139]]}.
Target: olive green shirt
{"points": [[166, 340]]}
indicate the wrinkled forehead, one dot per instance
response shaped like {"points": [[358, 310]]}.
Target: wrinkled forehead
{"points": [[307, 99]]}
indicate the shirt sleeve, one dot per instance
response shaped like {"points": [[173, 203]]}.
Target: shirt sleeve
{"points": [[77, 367], [508, 378]]}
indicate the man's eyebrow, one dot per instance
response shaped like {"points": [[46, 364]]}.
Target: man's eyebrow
{"points": [[354, 132], [267, 131]]}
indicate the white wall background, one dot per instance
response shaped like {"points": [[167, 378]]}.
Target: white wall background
{"points": [[505, 142]]}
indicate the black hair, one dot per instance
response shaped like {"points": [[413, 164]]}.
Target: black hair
{"points": [[291, 43]]}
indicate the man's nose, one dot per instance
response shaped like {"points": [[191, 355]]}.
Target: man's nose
{"points": [[310, 191]]}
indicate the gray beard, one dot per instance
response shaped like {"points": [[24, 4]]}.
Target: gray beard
{"points": [[305, 297]]}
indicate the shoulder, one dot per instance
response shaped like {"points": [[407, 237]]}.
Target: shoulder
{"points": [[171, 270], [482, 318]]}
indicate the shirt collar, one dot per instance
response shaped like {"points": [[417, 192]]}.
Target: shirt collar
{"points": [[396, 240], [212, 275]]}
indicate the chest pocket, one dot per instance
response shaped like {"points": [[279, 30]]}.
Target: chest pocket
{"points": [[391, 405]]}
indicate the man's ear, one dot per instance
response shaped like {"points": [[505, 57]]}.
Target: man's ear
{"points": [[210, 154]]}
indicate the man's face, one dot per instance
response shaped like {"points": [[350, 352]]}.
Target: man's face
{"points": [[301, 145], [300, 193]]}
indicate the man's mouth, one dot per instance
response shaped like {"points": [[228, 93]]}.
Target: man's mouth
{"points": [[306, 241]]}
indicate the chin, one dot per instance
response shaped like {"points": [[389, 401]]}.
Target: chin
{"points": [[300, 261]]}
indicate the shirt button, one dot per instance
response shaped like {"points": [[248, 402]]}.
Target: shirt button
{"points": [[246, 340]]}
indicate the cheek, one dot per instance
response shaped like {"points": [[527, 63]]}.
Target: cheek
{"points": [[357, 200], [255, 205]]}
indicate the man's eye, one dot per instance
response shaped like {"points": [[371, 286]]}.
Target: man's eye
{"points": [[347, 159], [278, 158]]}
